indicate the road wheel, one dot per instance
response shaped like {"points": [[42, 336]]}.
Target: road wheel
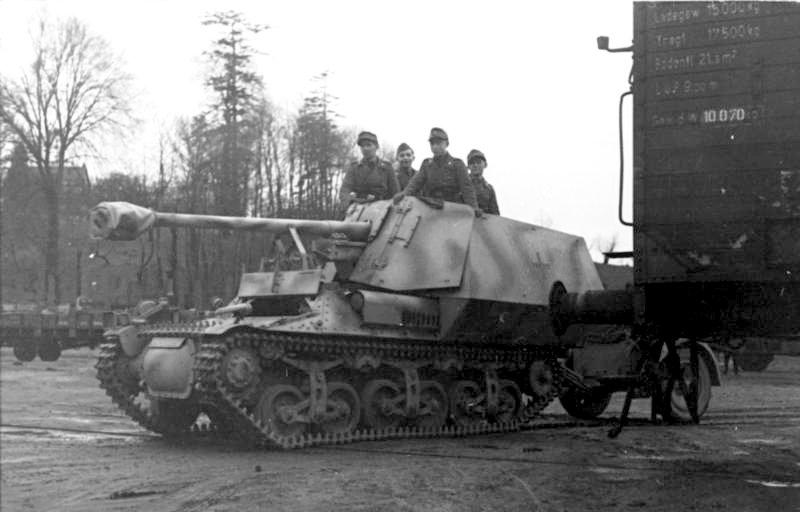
{"points": [[342, 409], [509, 401], [541, 380], [433, 400], [467, 403], [279, 408], [383, 404]]}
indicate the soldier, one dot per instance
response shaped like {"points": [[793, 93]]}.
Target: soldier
{"points": [[484, 192], [405, 157], [729, 357], [370, 178], [441, 177]]}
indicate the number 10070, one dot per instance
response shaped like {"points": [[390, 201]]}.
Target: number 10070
{"points": [[724, 115]]}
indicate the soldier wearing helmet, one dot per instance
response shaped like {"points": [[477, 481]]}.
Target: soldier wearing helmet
{"points": [[370, 178], [442, 176], [484, 192]]}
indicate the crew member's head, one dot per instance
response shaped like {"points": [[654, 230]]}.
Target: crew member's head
{"points": [[439, 141], [405, 156], [476, 161], [368, 143]]}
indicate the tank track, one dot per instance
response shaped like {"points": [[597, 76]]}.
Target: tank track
{"points": [[233, 417]]}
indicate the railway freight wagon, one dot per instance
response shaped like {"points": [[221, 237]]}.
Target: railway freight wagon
{"points": [[716, 169], [716, 198], [45, 334]]}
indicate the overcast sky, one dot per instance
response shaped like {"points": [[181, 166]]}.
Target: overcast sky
{"points": [[521, 81]]}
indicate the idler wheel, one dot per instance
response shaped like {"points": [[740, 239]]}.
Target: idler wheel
{"points": [[241, 368], [432, 413], [342, 409], [25, 350], [382, 401], [509, 401], [541, 379], [279, 409], [467, 403], [49, 350]]}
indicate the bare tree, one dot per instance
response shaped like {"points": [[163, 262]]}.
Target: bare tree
{"points": [[73, 92], [5, 140], [604, 245]]}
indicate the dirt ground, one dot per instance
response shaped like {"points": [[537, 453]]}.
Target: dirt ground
{"points": [[64, 446]]}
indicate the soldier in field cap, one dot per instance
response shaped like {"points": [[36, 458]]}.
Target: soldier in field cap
{"points": [[442, 176], [405, 157], [484, 192], [370, 178]]}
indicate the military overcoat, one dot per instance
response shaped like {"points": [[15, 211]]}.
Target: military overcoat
{"points": [[443, 177]]}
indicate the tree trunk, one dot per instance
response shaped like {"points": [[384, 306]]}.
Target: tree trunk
{"points": [[52, 274], [173, 268]]}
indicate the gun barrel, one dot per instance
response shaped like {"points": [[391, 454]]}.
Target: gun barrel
{"points": [[125, 221]]}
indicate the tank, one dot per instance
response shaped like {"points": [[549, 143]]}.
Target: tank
{"points": [[418, 320]]}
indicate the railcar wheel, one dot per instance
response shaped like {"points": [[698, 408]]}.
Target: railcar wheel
{"points": [[467, 403], [509, 401], [49, 350], [586, 405], [278, 408], [342, 409], [699, 385], [25, 350], [382, 407], [432, 412]]}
